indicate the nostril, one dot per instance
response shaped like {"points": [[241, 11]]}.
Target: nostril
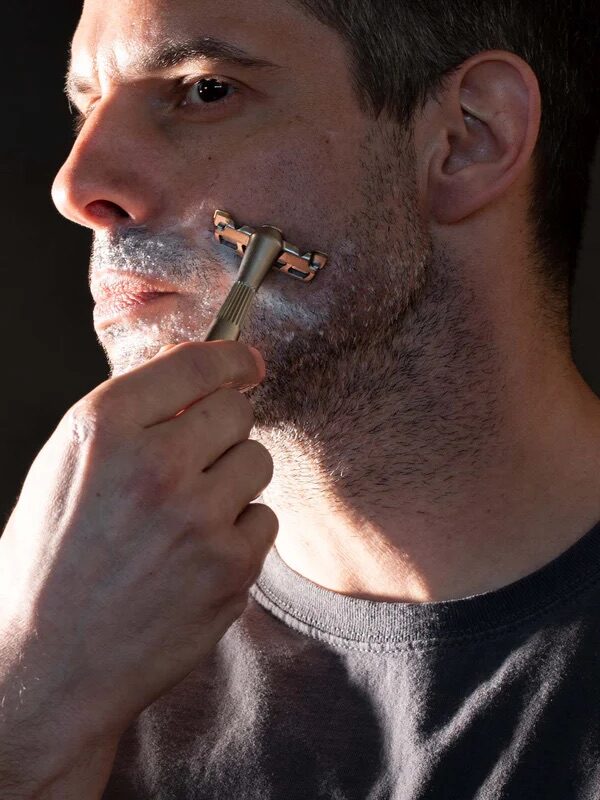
{"points": [[106, 210]]}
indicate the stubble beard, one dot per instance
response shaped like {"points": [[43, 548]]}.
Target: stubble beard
{"points": [[395, 395], [348, 400], [325, 388]]}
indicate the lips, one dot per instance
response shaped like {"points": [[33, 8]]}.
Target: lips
{"points": [[113, 285], [120, 295]]}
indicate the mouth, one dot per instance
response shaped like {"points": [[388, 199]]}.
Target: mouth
{"points": [[120, 295]]}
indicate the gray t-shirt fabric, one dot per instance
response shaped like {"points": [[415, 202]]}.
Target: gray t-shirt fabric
{"points": [[314, 694]]}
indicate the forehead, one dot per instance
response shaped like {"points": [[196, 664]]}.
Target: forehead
{"points": [[113, 34]]}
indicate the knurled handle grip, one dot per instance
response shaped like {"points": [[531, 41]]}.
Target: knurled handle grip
{"points": [[228, 322], [264, 246]]}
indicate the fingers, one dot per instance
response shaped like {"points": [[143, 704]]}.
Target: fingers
{"points": [[255, 533], [208, 428], [159, 389], [259, 523], [238, 477]]}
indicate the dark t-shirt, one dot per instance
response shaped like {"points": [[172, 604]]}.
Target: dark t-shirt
{"points": [[312, 694]]}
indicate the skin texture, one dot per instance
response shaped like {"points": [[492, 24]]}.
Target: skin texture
{"points": [[431, 436], [129, 546]]}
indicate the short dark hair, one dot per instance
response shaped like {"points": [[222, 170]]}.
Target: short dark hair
{"points": [[401, 51]]}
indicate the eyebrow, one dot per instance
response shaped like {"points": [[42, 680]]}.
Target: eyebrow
{"points": [[171, 55]]}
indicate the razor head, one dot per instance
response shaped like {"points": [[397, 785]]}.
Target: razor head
{"points": [[302, 267]]}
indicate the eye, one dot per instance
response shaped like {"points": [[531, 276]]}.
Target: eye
{"points": [[209, 91]]}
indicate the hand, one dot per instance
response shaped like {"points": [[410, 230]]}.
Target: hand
{"points": [[134, 541]]}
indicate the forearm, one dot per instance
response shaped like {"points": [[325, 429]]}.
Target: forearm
{"points": [[48, 750], [85, 779]]}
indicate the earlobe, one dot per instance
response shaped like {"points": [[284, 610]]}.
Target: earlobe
{"points": [[485, 126]]}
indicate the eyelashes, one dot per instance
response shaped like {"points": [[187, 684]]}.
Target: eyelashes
{"points": [[192, 97]]}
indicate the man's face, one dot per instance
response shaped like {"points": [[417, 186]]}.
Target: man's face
{"points": [[287, 145]]}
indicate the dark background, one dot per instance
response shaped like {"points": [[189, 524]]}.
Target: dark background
{"points": [[51, 355]]}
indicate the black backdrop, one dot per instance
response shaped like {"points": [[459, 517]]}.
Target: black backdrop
{"points": [[51, 356]]}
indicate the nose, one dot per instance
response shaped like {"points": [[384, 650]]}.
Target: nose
{"points": [[103, 183]]}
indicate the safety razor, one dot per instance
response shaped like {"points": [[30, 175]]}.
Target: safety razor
{"points": [[261, 249]]}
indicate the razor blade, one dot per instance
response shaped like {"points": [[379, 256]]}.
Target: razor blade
{"points": [[262, 249], [303, 267]]}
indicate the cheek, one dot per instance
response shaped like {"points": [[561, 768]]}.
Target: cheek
{"points": [[293, 182]]}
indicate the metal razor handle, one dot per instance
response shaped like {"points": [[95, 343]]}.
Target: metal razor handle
{"points": [[261, 250], [264, 247]]}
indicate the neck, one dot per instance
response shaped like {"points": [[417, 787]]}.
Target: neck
{"points": [[455, 460]]}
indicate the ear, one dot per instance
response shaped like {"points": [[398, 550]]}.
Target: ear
{"points": [[478, 134]]}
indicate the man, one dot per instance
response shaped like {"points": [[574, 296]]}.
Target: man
{"points": [[426, 624]]}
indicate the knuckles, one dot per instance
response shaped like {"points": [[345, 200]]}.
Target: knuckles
{"points": [[233, 570], [209, 517], [240, 407], [200, 364], [156, 477], [89, 419], [206, 363]]}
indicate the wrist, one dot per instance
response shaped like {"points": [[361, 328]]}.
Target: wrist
{"points": [[85, 779], [43, 736]]}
